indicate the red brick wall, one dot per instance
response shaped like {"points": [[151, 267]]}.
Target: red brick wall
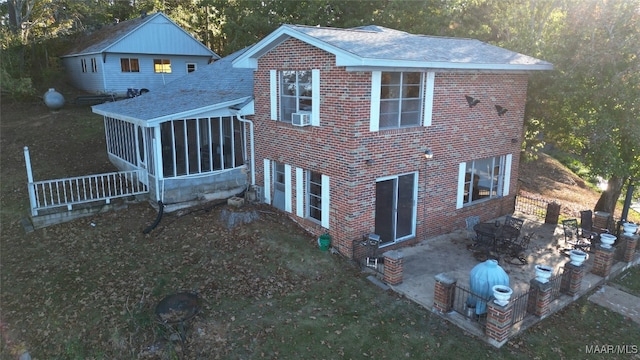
{"points": [[342, 144]]}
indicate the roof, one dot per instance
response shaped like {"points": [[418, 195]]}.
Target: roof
{"points": [[215, 86], [108, 36], [379, 47]]}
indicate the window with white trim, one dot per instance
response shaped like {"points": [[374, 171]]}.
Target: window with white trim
{"points": [[400, 99], [191, 67], [129, 65], [314, 195], [83, 65], [94, 65], [162, 66], [483, 179], [296, 93]]}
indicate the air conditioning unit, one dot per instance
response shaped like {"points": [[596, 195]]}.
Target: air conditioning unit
{"points": [[301, 118]]}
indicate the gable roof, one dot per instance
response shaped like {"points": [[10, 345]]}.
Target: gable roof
{"points": [[109, 36], [215, 86], [379, 47]]}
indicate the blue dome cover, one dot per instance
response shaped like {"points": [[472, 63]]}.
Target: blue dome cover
{"points": [[482, 278]]}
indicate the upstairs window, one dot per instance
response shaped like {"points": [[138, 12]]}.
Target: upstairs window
{"points": [[129, 65], [296, 93], [94, 65], [162, 66], [191, 67], [83, 65], [400, 99]]}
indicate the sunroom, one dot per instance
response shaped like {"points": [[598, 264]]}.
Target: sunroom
{"points": [[186, 160], [190, 137]]}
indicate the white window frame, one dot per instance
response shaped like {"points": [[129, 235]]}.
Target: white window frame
{"points": [[193, 65], [94, 65], [275, 93], [162, 66], [501, 187], [427, 90], [83, 65]]}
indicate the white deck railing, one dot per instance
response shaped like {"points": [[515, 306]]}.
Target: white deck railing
{"points": [[68, 192]]}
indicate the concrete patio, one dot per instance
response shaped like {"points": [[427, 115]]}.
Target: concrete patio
{"points": [[449, 254]]}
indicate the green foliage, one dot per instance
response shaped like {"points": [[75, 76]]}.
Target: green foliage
{"points": [[17, 88]]}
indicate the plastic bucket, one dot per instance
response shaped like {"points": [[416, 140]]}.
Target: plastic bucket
{"points": [[324, 241]]}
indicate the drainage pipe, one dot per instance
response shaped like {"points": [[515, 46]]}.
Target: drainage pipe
{"points": [[158, 218], [253, 152]]}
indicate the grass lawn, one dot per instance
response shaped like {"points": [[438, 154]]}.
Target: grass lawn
{"points": [[87, 289]]}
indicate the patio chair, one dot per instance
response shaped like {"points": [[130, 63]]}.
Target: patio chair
{"points": [[573, 235], [471, 222], [514, 222], [517, 249]]}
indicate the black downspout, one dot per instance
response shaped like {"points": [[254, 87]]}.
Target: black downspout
{"points": [[158, 218]]}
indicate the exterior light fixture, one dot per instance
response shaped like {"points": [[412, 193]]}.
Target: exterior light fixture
{"points": [[428, 154]]}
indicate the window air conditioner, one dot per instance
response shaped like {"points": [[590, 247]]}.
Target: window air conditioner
{"points": [[301, 118]]}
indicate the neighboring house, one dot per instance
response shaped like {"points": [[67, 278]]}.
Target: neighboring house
{"points": [[344, 117], [189, 136], [140, 54]]}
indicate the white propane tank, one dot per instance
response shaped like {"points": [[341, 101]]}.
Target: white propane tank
{"points": [[53, 99]]}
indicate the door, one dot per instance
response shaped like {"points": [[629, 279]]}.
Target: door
{"points": [[278, 185], [141, 149], [395, 208]]}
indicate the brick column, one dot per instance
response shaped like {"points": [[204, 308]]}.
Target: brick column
{"points": [[393, 264], [444, 293], [603, 260], [571, 281], [499, 321], [631, 242], [539, 301]]}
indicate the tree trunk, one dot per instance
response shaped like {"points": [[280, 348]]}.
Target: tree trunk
{"points": [[609, 198]]}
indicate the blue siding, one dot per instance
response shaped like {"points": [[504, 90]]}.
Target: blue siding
{"points": [[118, 82], [160, 36]]}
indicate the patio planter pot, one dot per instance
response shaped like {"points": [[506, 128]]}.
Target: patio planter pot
{"points": [[543, 273], [502, 294], [607, 240], [629, 228], [577, 257]]}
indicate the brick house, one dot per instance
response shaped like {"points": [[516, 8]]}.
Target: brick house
{"points": [[344, 118]]}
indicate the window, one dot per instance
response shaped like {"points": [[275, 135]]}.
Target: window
{"points": [[195, 146], [129, 65], [191, 67], [94, 65], [162, 66], [314, 194], [400, 99], [483, 179], [83, 65], [295, 94]]}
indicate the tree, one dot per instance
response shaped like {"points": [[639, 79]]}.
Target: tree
{"points": [[598, 91]]}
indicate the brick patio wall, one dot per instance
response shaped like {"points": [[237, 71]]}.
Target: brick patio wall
{"points": [[343, 148]]}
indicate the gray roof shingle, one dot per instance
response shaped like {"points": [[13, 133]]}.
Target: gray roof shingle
{"points": [[214, 84]]}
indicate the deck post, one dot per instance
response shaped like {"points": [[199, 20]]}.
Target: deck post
{"points": [[32, 193]]}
